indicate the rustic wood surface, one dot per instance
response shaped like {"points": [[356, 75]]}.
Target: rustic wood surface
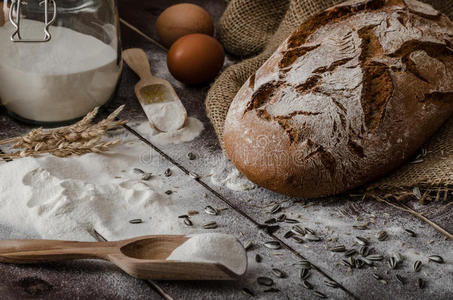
{"points": [[331, 218]]}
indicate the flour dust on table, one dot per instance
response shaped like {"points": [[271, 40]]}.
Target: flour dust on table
{"points": [[225, 174]]}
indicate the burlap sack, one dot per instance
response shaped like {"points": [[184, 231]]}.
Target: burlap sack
{"points": [[258, 27]]}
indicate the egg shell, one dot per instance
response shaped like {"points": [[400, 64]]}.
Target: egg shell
{"points": [[182, 19], [195, 58]]}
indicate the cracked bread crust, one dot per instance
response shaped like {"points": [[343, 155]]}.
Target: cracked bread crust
{"points": [[348, 97]]}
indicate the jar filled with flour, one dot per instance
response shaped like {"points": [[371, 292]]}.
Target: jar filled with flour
{"points": [[58, 58]]}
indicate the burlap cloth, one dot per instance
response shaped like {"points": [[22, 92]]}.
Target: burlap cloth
{"points": [[258, 27]]}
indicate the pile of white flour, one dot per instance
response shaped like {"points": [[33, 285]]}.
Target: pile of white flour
{"points": [[225, 174], [189, 132]]}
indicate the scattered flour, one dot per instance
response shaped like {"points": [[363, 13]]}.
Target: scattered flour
{"points": [[189, 132], [213, 247], [227, 175], [65, 198]]}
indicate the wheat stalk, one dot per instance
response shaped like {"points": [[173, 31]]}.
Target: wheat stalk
{"points": [[77, 139]]}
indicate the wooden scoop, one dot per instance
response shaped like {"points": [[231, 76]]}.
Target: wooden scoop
{"points": [[142, 257], [159, 100]]}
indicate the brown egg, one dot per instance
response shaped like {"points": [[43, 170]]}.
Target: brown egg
{"points": [[195, 58], [182, 19]]}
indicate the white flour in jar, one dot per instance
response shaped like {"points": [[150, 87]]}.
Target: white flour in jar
{"points": [[60, 80]]}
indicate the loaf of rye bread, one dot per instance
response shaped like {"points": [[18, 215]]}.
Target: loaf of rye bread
{"points": [[351, 95]]}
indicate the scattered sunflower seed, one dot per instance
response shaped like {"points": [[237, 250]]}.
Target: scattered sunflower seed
{"points": [[417, 266], [183, 216], [340, 248], [359, 263], [192, 212], [382, 235], [188, 222], [191, 156], [361, 240], [278, 273], [375, 257], [272, 229], [420, 283], [417, 193], [319, 294], [276, 208], [247, 292], [307, 285], [258, 258], [298, 239], [376, 276], [360, 227], [281, 218], [392, 263], [147, 176], [383, 281], [304, 273], [210, 225], [312, 238], [266, 281], [364, 251], [271, 290], [350, 252], [436, 258], [167, 173], [400, 279], [331, 283], [270, 221], [272, 245], [291, 221], [398, 257], [288, 234], [298, 230], [345, 263], [309, 230], [410, 232], [304, 264], [351, 261], [367, 261], [136, 221], [211, 210], [138, 171], [169, 192]]}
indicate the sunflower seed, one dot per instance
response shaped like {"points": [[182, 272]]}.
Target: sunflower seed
{"points": [[147, 176], [276, 208], [136, 221], [392, 263], [298, 240], [248, 245], [169, 192], [420, 283], [346, 263], [288, 234], [298, 230], [417, 193], [270, 221], [360, 227], [339, 248], [210, 225], [350, 252], [272, 245], [304, 264], [167, 173], [312, 238], [271, 290], [359, 263], [183, 216], [367, 261], [375, 257], [309, 230], [247, 292], [281, 218], [417, 266], [211, 210], [382, 235], [319, 294], [400, 279], [361, 240], [351, 261], [192, 212], [191, 156], [364, 251], [138, 171], [188, 222], [291, 221], [436, 258], [331, 283], [410, 232], [258, 258], [383, 281], [307, 285], [398, 257], [272, 229], [304, 273], [278, 273], [266, 281], [376, 276]]}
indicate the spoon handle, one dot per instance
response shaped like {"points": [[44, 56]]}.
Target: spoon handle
{"points": [[36, 251], [138, 61]]}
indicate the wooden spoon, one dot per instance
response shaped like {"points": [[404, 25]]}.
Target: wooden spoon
{"points": [[142, 257], [159, 100]]}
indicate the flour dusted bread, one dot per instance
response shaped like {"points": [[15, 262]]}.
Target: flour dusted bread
{"points": [[348, 97]]}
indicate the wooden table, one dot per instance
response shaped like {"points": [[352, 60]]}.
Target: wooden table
{"points": [[331, 218]]}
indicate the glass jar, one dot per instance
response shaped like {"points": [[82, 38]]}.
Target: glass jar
{"points": [[58, 58]]}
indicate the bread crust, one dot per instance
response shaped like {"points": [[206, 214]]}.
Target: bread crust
{"points": [[350, 95]]}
